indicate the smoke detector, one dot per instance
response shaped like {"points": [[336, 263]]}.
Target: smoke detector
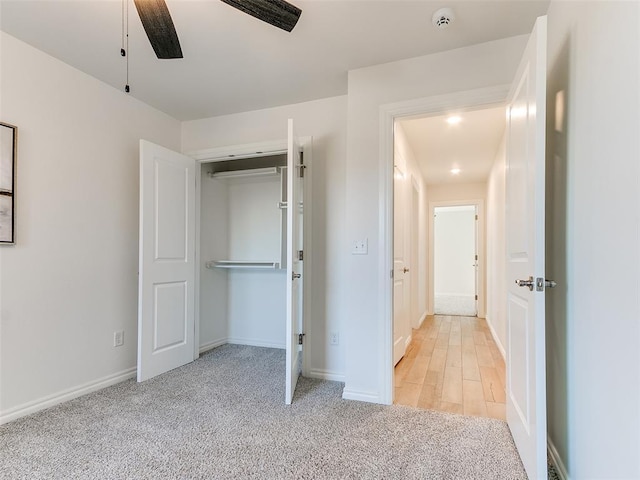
{"points": [[443, 18]]}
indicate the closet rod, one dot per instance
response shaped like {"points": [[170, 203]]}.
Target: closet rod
{"points": [[241, 264]]}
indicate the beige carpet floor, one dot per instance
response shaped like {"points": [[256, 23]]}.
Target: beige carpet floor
{"points": [[223, 417]]}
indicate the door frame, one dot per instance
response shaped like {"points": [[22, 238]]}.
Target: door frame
{"points": [[421, 107], [480, 251], [259, 149]]}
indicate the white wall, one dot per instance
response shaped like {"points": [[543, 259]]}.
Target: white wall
{"points": [[454, 251], [478, 66], [325, 121], [496, 249], [71, 280], [240, 220], [457, 192], [406, 161], [593, 249], [214, 245]]}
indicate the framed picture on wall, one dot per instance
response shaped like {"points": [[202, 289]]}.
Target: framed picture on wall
{"points": [[8, 140]]}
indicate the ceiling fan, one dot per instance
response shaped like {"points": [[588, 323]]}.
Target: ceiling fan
{"points": [[159, 27]]}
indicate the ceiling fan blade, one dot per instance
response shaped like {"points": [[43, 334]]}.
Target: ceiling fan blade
{"points": [[158, 25], [276, 12]]}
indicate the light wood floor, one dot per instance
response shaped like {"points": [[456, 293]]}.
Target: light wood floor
{"points": [[452, 364]]}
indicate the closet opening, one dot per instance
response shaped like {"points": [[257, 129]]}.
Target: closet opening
{"points": [[221, 253], [243, 236], [253, 255]]}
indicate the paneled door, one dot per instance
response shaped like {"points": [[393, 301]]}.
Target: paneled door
{"points": [[166, 300], [401, 266], [295, 277], [526, 388]]}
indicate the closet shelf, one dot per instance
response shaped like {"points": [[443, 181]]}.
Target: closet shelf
{"points": [[241, 264], [252, 172]]}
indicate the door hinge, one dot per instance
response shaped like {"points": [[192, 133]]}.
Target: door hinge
{"points": [[300, 338], [476, 217], [300, 255], [476, 297], [302, 166], [476, 257]]}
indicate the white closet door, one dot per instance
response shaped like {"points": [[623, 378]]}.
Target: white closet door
{"points": [[294, 264], [166, 299]]}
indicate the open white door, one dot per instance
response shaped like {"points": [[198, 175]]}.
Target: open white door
{"points": [[295, 175], [401, 263], [526, 387], [166, 281]]}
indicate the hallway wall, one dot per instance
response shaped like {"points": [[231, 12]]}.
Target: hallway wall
{"points": [[407, 162], [496, 250]]}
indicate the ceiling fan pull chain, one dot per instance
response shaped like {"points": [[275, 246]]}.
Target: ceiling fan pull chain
{"points": [[125, 40]]}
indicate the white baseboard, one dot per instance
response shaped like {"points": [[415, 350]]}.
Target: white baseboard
{"points": [[360, 396], [407, 342], [496, 339], [65, 395], [321, 374], [556, 461], [252, 342], [205, 347], [422, 319]]}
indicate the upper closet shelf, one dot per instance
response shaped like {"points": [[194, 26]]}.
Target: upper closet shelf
{"points": [[241, 264], [253, 172]]}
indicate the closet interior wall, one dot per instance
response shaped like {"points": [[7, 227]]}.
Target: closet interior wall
{"points": [[242, 220]]}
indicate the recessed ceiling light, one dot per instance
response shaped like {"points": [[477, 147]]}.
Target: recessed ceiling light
{"points": [[454, 120], [455, 171]]}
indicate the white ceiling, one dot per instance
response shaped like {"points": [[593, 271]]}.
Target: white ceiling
{"points": [[234, 62], [470, 145]]}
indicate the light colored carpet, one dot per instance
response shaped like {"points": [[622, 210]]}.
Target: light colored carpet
{"points": [[223, 417], [454, 305]]}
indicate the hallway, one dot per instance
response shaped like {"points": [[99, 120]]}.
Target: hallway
{"points": [[452, 365]]}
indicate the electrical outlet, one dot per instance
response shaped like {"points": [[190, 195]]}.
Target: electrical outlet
{"points": [[360, 247], [334, 338], [118, 338]]}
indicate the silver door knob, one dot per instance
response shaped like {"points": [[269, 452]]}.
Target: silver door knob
{"points": [[526, 283], [549, 283], [295, 275]]}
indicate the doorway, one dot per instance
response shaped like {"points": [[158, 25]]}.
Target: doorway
{"points": [[450, 361], [455, 266]]}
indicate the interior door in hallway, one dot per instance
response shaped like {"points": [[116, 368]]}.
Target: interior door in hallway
{"points": [[526, 384], [401, 270], [455, 260]]}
